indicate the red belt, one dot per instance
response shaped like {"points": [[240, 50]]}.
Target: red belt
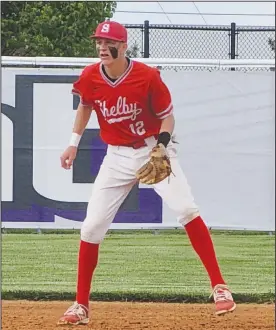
{"points": [[139, 144]]}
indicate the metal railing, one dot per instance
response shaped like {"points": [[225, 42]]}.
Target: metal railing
{"points": [[83, 61], [201, 42], [176, 64]]}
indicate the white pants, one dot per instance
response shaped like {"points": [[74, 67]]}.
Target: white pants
{"points": [[117, 177]]}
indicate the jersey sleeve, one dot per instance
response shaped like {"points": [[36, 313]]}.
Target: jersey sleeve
{"points": [[80, 88], [160, 97]]}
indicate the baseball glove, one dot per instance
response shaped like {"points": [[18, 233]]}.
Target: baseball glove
{"points": [[157, 168]]}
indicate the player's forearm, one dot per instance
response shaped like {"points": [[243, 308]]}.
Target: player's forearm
{"points": [[81, 121], [167, 124], [82, 118]]}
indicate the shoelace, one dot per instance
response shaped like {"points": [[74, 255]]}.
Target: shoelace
{"points": [[220, 295], [76, 309]]}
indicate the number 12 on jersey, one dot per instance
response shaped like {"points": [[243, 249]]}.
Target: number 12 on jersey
{"points": [[137, 128]]}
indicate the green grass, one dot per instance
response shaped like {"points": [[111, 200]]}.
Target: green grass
{"points": [[136, 266]]}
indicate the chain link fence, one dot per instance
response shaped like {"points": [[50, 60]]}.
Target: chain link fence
{"points": [[201, 42], [253, 42], [136, 38], [191, 42], [210, 69]]}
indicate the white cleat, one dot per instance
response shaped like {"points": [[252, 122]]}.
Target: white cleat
{"points": [[223, 299], [77, 314]]}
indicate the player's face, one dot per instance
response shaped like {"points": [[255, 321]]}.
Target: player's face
{"points": [[109, 50]]}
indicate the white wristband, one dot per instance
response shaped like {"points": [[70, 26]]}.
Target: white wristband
{"points": [[75, 140]]}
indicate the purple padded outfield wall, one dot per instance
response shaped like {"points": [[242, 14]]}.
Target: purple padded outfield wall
{"points": [[142, 205]]}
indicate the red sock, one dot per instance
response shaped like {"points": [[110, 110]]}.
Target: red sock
{"points": [[88, 259], [202, 243]]}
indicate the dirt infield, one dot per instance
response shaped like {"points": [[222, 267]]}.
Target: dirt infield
{"points": [[26, 315]]}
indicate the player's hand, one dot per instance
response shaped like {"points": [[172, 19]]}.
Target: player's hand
{"points": [[67, 158]]}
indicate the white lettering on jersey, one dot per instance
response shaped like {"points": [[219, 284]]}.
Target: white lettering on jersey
{"points": [[119, 112]]}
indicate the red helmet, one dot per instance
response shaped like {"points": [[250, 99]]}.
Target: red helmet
{"points": [[111, 30]]}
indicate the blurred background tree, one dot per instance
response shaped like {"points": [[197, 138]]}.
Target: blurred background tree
{"points": [[271, 43], [50, 28], [133, 51]]}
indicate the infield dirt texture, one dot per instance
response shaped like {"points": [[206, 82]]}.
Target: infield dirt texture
{"points": [[26, 315]]}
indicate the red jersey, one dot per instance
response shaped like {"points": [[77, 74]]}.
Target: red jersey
{"points": [[129, 109]]}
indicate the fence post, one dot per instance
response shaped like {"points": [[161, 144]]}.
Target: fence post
{"points": [[146, 39], [233, 43]]}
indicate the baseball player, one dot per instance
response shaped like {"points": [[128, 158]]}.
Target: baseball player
{"points": [[135, 115]]}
